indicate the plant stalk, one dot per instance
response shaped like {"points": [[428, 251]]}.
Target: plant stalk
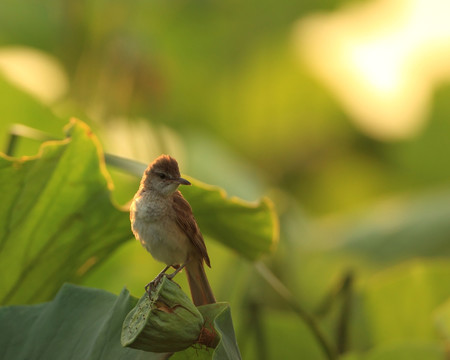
{"points": [[309, 320]]}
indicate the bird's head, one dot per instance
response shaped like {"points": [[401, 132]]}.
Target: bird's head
{"points": [[163, 176]]}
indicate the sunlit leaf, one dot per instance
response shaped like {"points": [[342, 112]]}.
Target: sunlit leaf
{"points": [[18, 106], [56, 217], [250, 229]]}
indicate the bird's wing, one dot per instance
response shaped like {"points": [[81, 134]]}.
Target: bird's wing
{"points": [[186, 221]]}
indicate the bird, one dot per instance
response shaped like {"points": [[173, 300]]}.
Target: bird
{"points": [[163, 221]]}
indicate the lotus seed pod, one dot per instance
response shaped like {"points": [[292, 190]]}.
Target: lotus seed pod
{"points": [[167, 321]]}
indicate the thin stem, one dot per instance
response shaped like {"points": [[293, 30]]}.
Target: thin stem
{"points": [[18, 130], [343, 323], [130, 166], [283, 291], [256, 320]]}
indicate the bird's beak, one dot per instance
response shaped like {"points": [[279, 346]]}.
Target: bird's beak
{"points": [[183, 181]]}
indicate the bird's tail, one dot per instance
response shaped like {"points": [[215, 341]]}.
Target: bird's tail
{"points": [[198, 283]]}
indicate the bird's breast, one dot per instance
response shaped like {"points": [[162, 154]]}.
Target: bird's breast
{"points": [[154, 226]]}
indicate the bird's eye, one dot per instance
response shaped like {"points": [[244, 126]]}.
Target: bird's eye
{"points": [[162, 176]]}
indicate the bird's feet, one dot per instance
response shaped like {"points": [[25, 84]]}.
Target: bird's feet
{"points": [[148, 288], [152, 284], [177, 270]]}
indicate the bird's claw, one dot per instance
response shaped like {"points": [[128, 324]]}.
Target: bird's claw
{"points": [[148, 288], [170, 276], [152, 284]]}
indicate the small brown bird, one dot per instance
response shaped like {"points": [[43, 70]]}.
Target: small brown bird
{"points": [[162, 220]]}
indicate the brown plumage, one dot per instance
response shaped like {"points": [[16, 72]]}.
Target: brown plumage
{"points": [[186, 221], [163, 221]]}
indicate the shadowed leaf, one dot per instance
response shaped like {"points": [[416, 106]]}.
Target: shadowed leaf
{"points": [[83, 323], [80, 323]]}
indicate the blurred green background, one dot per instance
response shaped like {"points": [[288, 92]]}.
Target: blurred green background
{"points": [[277, 99]]}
